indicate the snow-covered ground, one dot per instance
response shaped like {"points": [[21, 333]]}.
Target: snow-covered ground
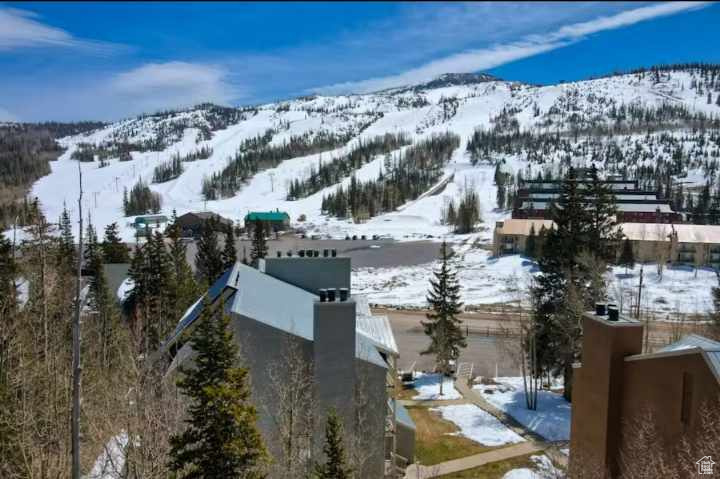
{"points": [[427, 386], [478, 425], [493, 280], [419, 113], [111, 462], [544, 469], [551, 419]]}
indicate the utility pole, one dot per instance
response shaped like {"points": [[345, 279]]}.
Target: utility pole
{"points": [[75, 422], [637, 314]]}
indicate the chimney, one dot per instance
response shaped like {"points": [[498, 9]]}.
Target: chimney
{"points": [[331, 295], [595, 428], [323, 294], [326, 253], [301, 253], [279, 254], [333, 253], [334, 349], [344, 294]]}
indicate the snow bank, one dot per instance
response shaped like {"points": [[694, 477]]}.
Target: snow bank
{"points": [[544, 469], [478, 425], [551, 420], [111, 463], [124, 289], [428, 387]]}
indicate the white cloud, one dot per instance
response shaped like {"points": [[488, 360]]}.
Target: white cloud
{"points": [[496, 55], [171, 85], [22, 29]]}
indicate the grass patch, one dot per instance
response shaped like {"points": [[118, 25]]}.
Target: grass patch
{"points": [[494, 470], [433, 442], [407, 393]]}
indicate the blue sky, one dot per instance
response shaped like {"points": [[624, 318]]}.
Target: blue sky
{"points": [[71, 61]]}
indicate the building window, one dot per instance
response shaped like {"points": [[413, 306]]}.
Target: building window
{"points": [[687, 391]]}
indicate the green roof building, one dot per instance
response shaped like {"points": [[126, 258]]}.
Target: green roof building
{"points": [[274, 220]]}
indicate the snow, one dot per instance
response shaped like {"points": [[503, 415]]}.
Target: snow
{"points": [[428, 387], [124, 289], [544, 469], [111, 462], [489, 280], [551, 420], [23, 291], [478, 425]]}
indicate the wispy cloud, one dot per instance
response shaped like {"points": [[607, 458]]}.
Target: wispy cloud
{"points": [[473, 60], [23, 29], [174, 84]]}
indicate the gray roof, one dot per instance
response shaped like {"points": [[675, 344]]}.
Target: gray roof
{"points": [[376, 328], [273, 302], [710, 350], [692, 341], [281, 305]]}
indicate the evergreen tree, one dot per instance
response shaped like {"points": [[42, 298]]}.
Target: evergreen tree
{"points": [[229, 254], [604, 232], [208, 258], [183, 288], [221, 439], [557, 333], [113, 248], [443, 325], [259, 245], [627, 257], [66, 245], [335, 466], [158, 270], [530, 245], [8, 273]]}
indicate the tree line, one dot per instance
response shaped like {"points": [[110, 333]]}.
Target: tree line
{"points": [[141, 200], [332, 172], [404, 177]]}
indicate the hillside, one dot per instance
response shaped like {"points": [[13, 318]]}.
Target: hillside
{"points": [[660, 126]]}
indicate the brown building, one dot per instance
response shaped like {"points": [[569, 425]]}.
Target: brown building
{"points": [[534, 200], [191, 223], [617, 385], [677, 243]]}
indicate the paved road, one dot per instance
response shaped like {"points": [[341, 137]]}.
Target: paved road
{"points": [[364, 253], [485, 352]]}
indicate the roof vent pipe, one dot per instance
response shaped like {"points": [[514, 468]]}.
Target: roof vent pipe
{"points": [[301, 253], [331, 294], [316, 253], [326, 253], [343, 294], [279, 254], [323, 294], [600, 309], [309, 253], [333, 253], [613, 313]]}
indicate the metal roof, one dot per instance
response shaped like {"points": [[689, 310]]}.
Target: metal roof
{"points": [[273, 302], [366, 350], [710, 350], [254, 294], [267, 216], [376, 328], [692, 341]]}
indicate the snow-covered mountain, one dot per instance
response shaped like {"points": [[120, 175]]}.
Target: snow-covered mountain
{"points": [[646, 117]]}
